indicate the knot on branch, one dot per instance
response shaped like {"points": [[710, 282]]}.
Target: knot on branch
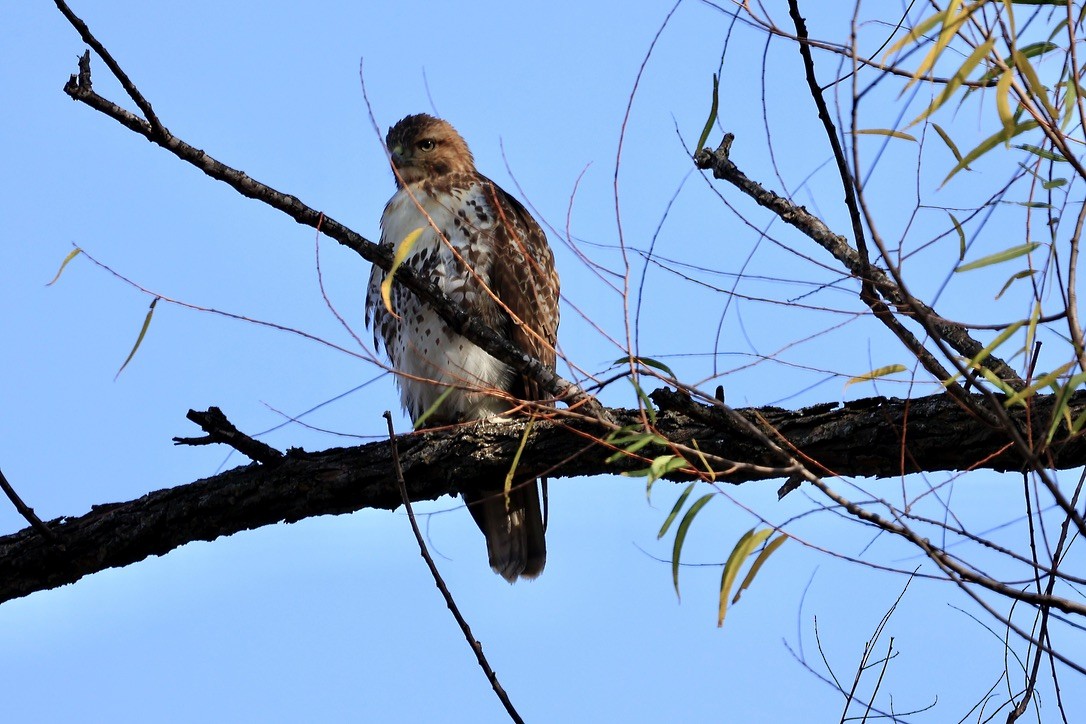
{"points": [[716, 160], [220, 430], [80, 84]]}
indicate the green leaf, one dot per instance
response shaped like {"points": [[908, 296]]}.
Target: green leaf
{"points": [[665, 464], [1054, 184], [675, 510], [1020, 396], [680, 537], [632, 433], [948, 141], [71, 255], [886, 132], [747, 543], [1060, 412], [1034, 50], [877, 373], [646, 403], [1031, 330], [712, 115], [139, 339], [1028, 204], [639, 441], [1070, 103], [770, 547], [647, 361], [659, 467], [961, 235], [994, 380], [999, 257], [1042, 152], [432, 408], [975, 363], [1015, 277], [1001, 136]]}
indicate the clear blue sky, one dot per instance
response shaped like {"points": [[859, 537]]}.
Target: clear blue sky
{"points": [[336, 618]]}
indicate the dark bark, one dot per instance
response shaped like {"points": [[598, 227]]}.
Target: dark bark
{"points": [[860, 439]]}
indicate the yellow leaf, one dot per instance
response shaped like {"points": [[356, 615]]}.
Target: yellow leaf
{"points": [[983, 354], [1000, 256], [1033, 83], [952, 23], [1043, 381], [886, 132], [948, 141], [915, 34], [398, 258], [954, 84], [71, 255], [1003, 105], [757, 565], [1000, 136], [877, 373], [739, 554], [434, 407]]}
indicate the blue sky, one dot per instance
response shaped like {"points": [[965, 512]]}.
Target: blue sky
{"points": [[336, 618]]}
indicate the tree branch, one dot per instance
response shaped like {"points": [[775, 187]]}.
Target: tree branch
{"points": [[860, 438], [798, 217], [221, 430]]}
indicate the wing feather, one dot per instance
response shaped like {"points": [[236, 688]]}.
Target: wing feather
{"points": [[524, 278]]}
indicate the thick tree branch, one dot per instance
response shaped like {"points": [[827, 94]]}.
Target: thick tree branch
{"points": [[861, 438]]}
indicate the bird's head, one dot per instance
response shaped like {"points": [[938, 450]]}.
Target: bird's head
{"points": [[423, 147]]}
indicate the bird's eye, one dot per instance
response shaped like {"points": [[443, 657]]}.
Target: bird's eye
{"points": [[426, 144]]}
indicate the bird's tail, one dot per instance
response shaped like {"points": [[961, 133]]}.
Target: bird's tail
{"points": [[513, 526]]}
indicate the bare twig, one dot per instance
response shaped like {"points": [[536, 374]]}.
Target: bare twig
{"points": [[955, 334], [476, 647], [114, 67], [26, 511], [843, 50], [220, 430]]}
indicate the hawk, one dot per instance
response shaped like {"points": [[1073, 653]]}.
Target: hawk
{"points": [[459, 229]]}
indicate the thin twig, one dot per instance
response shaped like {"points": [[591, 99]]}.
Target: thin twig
{"points": [[114, 67], [719, 162], [476, 647], [26, 511]]}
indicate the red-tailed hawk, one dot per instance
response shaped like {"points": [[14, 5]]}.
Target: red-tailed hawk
{"points": [[484, 250]]}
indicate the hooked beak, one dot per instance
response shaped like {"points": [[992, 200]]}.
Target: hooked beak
{"points": [[396, 153]]}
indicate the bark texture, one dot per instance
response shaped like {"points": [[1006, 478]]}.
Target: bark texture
{"points": [[873, 437]]}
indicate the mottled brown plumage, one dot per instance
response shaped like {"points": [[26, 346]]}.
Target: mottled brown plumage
{"points": [[484, 250]]}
